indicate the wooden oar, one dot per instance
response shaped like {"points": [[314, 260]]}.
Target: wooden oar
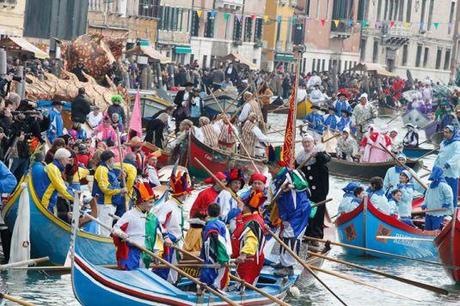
{"points": [[429, 211], [330, 138], [24, 262], [169, 265], [403, 238], [120, 152], [395, 277], [235, 278], [192, 265], [427, 153], [54, 268], [235, 100], [306, 266], [349, 246], [404, 166], [321, 203], [15, 299]]}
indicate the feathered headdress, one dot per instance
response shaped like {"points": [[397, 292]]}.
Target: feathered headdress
{"points": [[180, 183], [144, 192]]}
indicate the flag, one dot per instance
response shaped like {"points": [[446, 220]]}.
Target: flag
{"points": [[364, 24], [323, 22], [199, 12], [135, 123], [226, 16], [392, 23], [336, 22], [289, 136], [436, 25]]}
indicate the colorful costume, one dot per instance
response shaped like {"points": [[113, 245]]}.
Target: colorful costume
{"points": [[331, 121], [372, 151], [349, 201], [380, 201], [216, 249], [439, 195], [315, 121], [56, 128], [405, 205]]}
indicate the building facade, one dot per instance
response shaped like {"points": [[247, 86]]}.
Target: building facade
{"points": [[332, 34], [415, 35], [12, 17], [133, 19]]}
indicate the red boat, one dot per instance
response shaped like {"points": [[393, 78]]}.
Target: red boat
{"points": [[448, 244]]}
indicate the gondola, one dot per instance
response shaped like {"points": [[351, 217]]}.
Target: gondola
{"points": [[227, 100], [416, 118], [361, 226], [365, 171], [50, 236], [216, 160], [303, 109], [414, 153], [94, 284], [448, 244], [432, 133]]}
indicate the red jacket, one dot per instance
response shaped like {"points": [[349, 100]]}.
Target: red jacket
{"points": [[202, 201]]}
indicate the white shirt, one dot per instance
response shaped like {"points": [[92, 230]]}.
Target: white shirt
{"points": [[153, 175], [185, 98], [170, 217], [244, 112], [94, 120], [136, 225], [260, 136]]}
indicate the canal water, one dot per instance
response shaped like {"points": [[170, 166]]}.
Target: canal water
{"points": [[52, 289]]}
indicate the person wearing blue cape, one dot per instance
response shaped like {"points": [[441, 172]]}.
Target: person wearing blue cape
{"points": [[439, 195], [315, 120], [351, 199], [449, 159], [331, 120], [391, 180], [294, 211], [342, 104], [407, 196]]}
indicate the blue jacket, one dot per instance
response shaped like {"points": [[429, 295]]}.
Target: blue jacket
{"points": [[294, 210], [439, 194], [449, 157], [56, 128], [106, 186], [342, 105], [331, 121], [405, 205], [349, 202], [391, 179], [380, 201], [7, 179], [315, 121], [343, 123]]}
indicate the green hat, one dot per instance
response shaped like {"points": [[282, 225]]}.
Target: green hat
{"points": [[117, 99]]}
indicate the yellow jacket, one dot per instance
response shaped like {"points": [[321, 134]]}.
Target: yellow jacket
{"points": [[55, 185], [106, 184], [131, 174]]}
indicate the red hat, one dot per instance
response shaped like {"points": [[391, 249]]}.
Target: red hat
{"points": [[258, 177], [257, 199], [219, 175], [235, 175], [181, 184], [144, 192]]}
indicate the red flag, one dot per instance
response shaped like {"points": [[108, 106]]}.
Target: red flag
{"points": [[289, 136], [323, 21], [135, 123]]}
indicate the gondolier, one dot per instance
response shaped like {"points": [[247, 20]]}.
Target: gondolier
{"points": [[251, 106], [227, 137], [209, 131], [363, 115], [316, 172], [411, 139], [229, 207], [253, 140], [183, 103]]}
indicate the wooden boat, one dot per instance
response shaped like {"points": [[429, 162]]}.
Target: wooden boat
{"points": [[227, 100], [414, 153], [303, 109], [361, 226], [432, 133], [416, 118], [143, 287], [216, 160], [152, 101], [365, 171], [50, 236], [448, 244]]}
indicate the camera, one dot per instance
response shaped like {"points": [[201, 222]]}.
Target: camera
{"points": [[5, 83]]}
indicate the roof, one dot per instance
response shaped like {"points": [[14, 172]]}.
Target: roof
{"points": [[241, 59], [21, 44], [150, 52]]}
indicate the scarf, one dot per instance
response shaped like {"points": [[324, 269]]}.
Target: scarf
{"points": [[303, 156], [436, 177]]}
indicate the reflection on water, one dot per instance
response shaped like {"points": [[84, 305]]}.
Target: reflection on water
{"points": [[49, 289]]}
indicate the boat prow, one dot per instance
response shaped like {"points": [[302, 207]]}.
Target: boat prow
{"points": [[448, 244]]}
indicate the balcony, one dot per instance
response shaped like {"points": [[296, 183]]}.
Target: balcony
{"points": [[229, 5], [342, 30], [395, 36]]}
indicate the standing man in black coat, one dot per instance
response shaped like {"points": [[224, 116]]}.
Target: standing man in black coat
{"points": [[317, 175], [183, 102], [80, 107]]}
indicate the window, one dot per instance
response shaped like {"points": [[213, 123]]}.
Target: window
{"points": [[195, 24], [401, 10], [149, 8], [304, 61], [408, 10], [418, 56], [451, 16], [385, 11], [425, 56], [313, 65], [362, 9], [447, 60], [430, 15], [209, 26], [390, 13], [248, 29], [422, 15], [379, 9], [318, 8], [258, 31], [438, 58], [362, 55], [375, 51], [323, 65], [205, 59], [278, 30], [237, 29], [318, 65], [405, 51], [339, 67], [342, 9], [307, 8]]}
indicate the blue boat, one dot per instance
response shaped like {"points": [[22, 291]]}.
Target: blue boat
{"points": [[361, 226], [50, 236], [414, 153], [106, 287]]}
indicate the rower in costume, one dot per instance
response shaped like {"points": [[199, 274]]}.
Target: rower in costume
{"points": [[229, 208], [171, 219], [129, 167], [377, 196], [411, 139], [439, 195], [248, 239], [315, 120], [331, 120], [351, 199], [407, 196], [199, 212], [216, 249], [141, 226], [294, 211]]}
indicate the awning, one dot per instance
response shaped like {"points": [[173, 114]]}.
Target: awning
{"points": [[149, 51], [373, 67], [284, 57], [237, 57], [21, 44], [183, 49]]}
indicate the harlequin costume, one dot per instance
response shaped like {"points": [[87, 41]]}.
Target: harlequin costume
{"points": [[141, 227], [229, 209], [249, 235], [199, 212], [171, 219]]}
